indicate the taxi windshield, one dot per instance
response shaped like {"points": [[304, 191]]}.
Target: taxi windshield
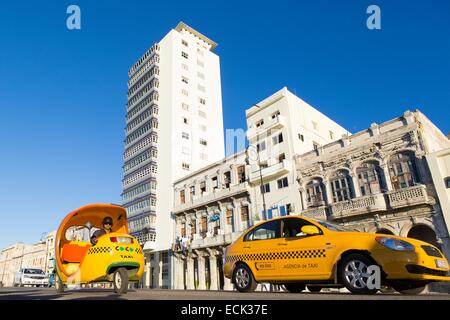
{"points": [[334, 227]]}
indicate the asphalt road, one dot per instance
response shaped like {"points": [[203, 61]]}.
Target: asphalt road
{"points": [[158, 294]]}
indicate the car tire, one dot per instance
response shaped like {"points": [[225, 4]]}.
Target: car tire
{"points": [[59, 286], [120, 281], [294, 287], [314, 289], [409, 289], [243, 279], [352, 273]]}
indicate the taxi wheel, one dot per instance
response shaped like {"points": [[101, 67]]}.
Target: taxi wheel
{"points": [[294, 288], [409, 289], [243, 279], [59, 286], [353, 273], [120, 280]]}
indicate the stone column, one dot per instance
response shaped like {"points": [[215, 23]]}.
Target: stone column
{"points": [[386, 176], [236, 216], [356, 187], [213, 271], [329, 191], [159, 270], [179, 273], [190, 274], [201, 272]]}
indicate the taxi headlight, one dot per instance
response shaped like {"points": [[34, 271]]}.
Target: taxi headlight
{"points": [[395, 244]]}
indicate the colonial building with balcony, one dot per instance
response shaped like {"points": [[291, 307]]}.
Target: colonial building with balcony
{"points": [[378, 180], [212, 208]]}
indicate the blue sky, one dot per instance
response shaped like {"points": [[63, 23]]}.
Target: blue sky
{"points": [[63, 93]]}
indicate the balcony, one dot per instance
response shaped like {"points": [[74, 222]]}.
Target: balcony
{"points": [[315, 213], [408, 197], [358, 206], [216, 195], [217, 240], [270, 172], [272, 124]]}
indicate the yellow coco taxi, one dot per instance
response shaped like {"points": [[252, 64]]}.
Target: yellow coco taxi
{"points": [[114, 256], [296, 251]]}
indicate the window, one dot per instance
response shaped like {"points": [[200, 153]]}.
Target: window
{"points": [[275, 114], [184, 92], [185, 150], [184, 43], [192, 191], [193, 229], [184, 55], [292, 227], [447, 182], [315, 196], [202, 127], [244, 213], [402, 169], [282, 183], [261, 146], [184, 67], [259, 123], [200, 63], [202, 187], [203, 156], [182, 197], [215, 183], [301, 137], [203, 142], [201, 75], [281, 157], [185, 135], [267, 231], [185, 106], [185, 120], [202, 114], [277, 139], [265, 188], [331, 135], [185, 166], [241, 174], [201, 88], [200, 52], [227, 179], [230, 219], [204, 226], [185, 80], [369, 178], [314, 124], [202, 101], [341, 186]]}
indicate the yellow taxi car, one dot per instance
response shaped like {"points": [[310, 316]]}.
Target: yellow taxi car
{"points": [[296, 251], [114, 257]]}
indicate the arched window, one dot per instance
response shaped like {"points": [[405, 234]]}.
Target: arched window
{"points": [[315, 193], [369, 178], [341, 186], [402, 169]]}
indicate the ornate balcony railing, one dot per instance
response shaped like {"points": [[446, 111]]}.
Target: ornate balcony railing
{"points": [[315, 213], [358, 206], [408, 196]]}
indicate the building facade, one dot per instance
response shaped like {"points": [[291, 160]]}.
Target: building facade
{"points": [[20, 255], [174, 126], [280, 127], [378, 180], [211, 209]]}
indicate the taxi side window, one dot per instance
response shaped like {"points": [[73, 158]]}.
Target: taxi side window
{"points": [[267, 231], [292, 227]]}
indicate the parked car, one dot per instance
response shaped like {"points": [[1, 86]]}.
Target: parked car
{"points": [[299, 252], [31, 277]]}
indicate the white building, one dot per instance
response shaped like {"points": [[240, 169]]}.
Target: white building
{"points": [[279, 127], [174, 126]]}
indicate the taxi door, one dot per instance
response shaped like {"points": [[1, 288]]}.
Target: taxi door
{"points": [[304, 256], [260, 250]]}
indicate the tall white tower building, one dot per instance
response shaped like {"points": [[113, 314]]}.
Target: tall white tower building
{"points": [[174, 126]]}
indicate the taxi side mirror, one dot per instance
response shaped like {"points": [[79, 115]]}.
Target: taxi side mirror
{"points": [[310, 230]]}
